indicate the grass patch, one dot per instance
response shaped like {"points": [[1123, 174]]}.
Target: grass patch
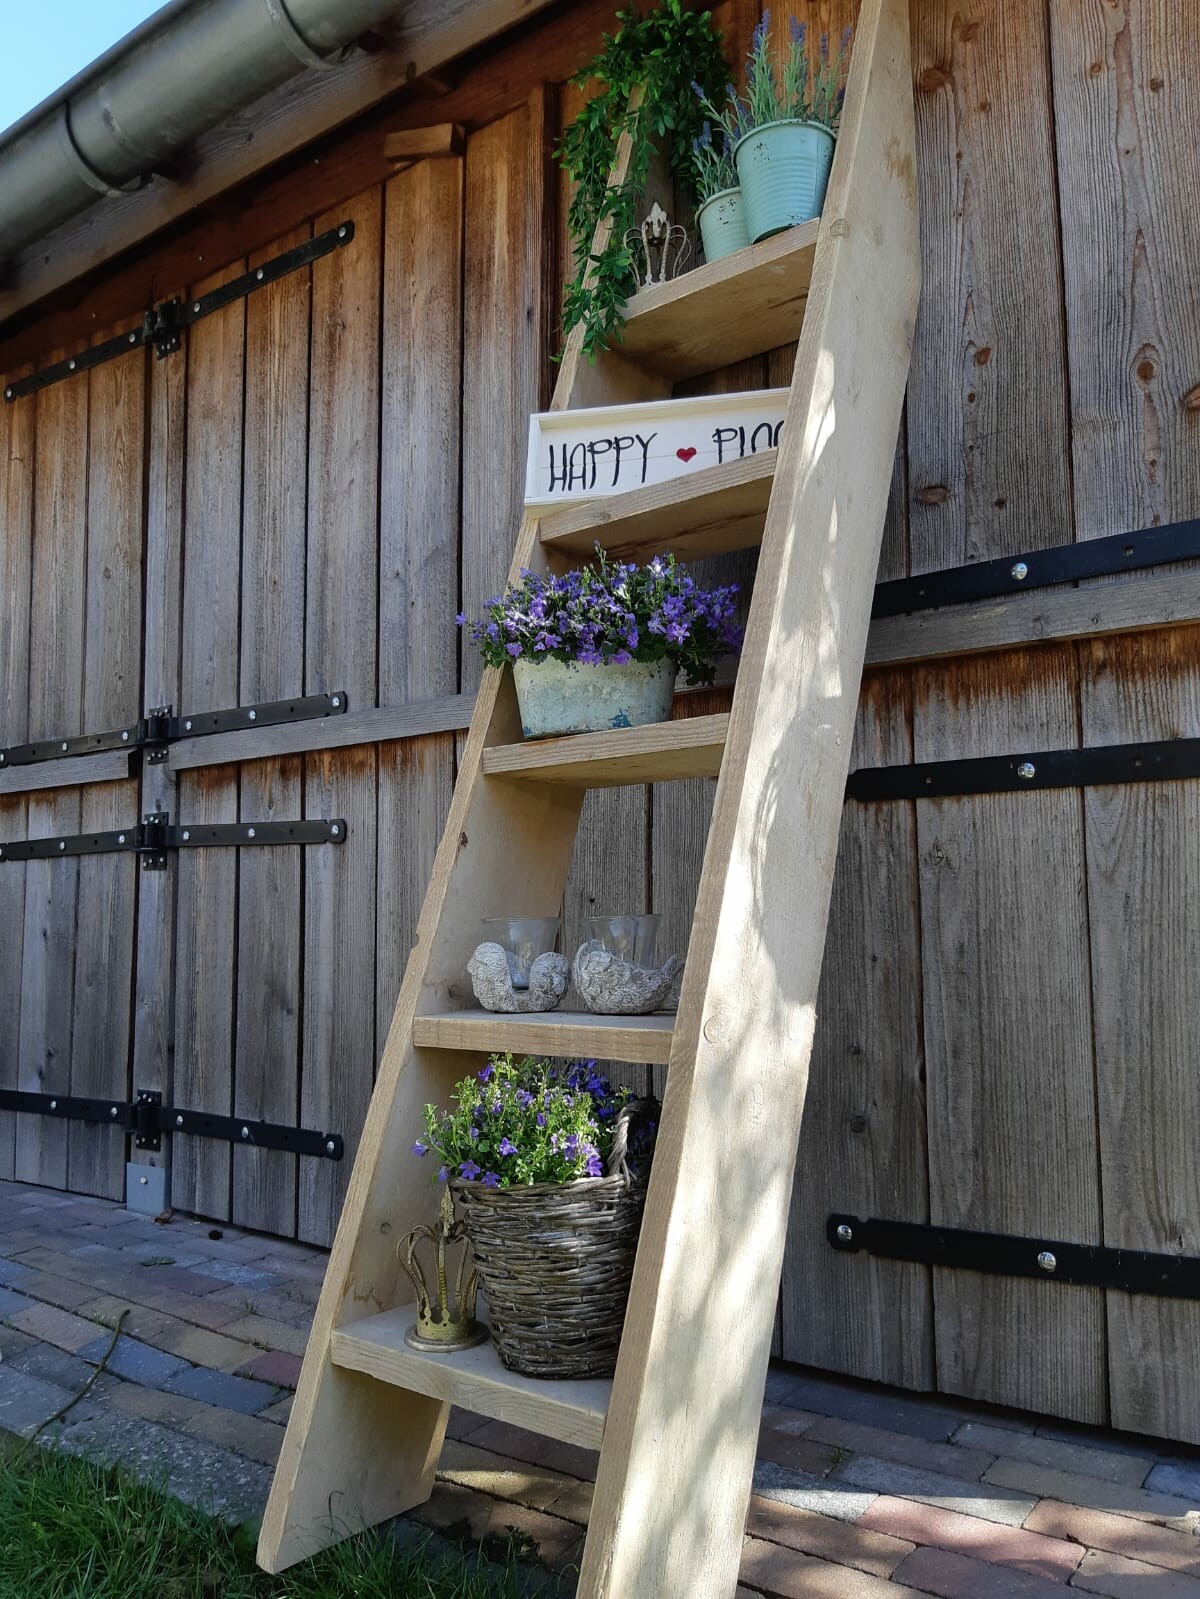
{"points": [[71, 1529]]}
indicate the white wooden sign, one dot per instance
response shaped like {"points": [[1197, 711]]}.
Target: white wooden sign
{"points": [[584, 455]]}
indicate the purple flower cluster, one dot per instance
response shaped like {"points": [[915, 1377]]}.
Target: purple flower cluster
{"points": [[526, 1121], [612, 612]]}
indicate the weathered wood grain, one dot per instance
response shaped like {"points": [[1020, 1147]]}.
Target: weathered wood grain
{"points": [[987, 416], [1143, 892], [338, 1037], [17, 446], [55, 707], [206, 880], [1124, 90], [862, 1140], [1008, 1036], [418, 538], [269, 940], [504, 314], [104, 930]]}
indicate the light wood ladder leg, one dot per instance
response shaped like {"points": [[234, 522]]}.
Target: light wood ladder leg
{"points": [[671, 1496]]}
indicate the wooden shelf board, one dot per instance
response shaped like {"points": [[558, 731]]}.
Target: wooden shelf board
{"points": [[724, 311], [691, 746], [718, 509], [641, 1039], [570, 1409]]}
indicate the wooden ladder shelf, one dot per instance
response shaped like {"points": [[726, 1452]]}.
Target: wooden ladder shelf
{"points": [[677, 1426]]}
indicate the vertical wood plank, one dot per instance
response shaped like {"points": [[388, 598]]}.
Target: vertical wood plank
{"points": [[340, 653], [420, 493], [55, 707], [505, 315], [18, 443], [100, 1052], [270, 933], [987, 418], [862, 1139], [1125, 88], [1143, 894], [206, 889], [1012, 1116], [154, 982]]}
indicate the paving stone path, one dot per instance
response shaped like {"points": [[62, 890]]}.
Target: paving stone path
{"points": [[860, 1492]]}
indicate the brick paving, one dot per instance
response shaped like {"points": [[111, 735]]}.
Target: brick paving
{"points": [[859, 1492]]}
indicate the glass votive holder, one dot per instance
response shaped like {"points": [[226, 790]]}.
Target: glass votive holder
{"points": [[523, 939], [632, 939]]}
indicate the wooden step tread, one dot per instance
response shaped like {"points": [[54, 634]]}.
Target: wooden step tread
{"points": [[570, 1409], [641, 1039], [691, 746], [724, 311], [708, 513]]}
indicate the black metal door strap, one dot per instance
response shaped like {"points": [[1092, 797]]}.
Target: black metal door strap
{"points": [[1132, 1271], [162, 324], [155, 837], [1038, 569], [160, 728], [997, 774], [148, 1118]]}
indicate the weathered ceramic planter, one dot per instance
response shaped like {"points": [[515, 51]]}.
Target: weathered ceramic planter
{"points": [[557, 697], [783, 168], [722, 223]]}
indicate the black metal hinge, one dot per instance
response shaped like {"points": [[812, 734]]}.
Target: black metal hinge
{"points": [[161, 326], [147, 1118], [1039, 569], [1132, 1271], [155, 732], [155, 837], [1168, 759]]}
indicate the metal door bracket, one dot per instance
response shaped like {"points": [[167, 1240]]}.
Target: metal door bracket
{"points": [[147, 1118], [154, 733], [162, 324], [156, 838], [1130, 1271], [1161, 761]]}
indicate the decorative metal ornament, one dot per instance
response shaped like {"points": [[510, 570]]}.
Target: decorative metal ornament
{"points": [[660, 248], [445, 1325]]}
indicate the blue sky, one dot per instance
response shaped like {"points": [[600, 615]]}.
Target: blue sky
{"points": [[45, 42]]}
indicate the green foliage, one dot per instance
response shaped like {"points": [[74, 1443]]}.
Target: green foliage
{"points": [[525, 1121], [664, 53], [71, 1529]]}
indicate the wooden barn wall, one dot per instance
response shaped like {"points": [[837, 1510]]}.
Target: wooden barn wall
{"points": [[302, 498]]}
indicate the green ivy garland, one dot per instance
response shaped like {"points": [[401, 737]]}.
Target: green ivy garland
{"points": [[666, 52]]}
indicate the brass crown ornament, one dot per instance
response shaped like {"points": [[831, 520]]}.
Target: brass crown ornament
{"points": [[443, 1325]]}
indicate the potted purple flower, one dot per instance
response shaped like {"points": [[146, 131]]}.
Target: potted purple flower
{"points": [[601, 647], [548, 1165]]}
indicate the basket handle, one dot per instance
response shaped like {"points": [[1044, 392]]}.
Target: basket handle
{"points": [[618, 1159]]}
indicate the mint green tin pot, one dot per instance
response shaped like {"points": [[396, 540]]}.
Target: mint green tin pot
{"points": [[783, 169], [722, 220]]}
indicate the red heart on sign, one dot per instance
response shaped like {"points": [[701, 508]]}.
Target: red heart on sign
{"points": [[685, 455]]}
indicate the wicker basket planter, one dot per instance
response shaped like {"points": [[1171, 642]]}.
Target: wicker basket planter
{"points": [[555, 1262]]}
